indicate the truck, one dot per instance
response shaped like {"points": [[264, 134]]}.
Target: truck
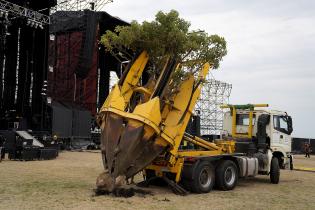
{"points": [[143, 123]]}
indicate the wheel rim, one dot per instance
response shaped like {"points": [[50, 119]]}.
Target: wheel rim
{"points": [[229, 175], [205, 177]]}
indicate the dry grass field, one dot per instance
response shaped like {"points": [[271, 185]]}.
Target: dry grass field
{"points": [[68, 182]]}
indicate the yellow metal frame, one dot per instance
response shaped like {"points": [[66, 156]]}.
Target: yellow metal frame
{"points": [[175, 169], [176, 163]]}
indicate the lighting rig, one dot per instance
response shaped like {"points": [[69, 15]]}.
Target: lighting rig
{"points": [[34, 19]]}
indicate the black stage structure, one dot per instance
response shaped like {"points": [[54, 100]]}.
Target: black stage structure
{"points": [[24, 36], [44, 60], [79, 69], [24, 32]]}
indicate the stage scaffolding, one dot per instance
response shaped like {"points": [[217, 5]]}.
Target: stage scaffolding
{"points": [[214, 93], [80, 5]]}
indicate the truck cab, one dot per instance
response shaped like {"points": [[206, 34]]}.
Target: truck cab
{"points": [[268, 130]]}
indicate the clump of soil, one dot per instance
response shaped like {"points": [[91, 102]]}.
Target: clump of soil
{"points": [[105, 182], [123, 192]]}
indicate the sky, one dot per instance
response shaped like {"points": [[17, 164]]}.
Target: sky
{"points": [[271, 48]]}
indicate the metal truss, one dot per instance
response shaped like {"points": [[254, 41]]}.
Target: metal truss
{"points": [[79, 5], [214, 93], [14, 10]]}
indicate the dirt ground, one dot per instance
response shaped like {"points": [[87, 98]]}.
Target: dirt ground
{"points": [[301, 161], [68, 182]]}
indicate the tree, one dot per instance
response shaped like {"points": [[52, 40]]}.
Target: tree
{"points": [[167, 36]]}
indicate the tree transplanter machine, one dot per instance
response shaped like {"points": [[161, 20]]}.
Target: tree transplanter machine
{"points": [[143, 129]]}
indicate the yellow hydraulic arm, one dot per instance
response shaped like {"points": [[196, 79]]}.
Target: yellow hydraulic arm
{"points": [[135, 130]]}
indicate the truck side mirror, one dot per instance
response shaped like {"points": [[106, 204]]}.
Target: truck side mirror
{"points": [[290, 125]]}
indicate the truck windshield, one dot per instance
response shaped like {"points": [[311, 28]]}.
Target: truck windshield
{"points": [[280, 123]]}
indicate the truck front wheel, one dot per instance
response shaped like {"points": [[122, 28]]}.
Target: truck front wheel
{"points": [[274, 171], [226, 175], [203, 178]]}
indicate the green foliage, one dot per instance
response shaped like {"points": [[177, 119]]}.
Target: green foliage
{"points": [[167, 35]]}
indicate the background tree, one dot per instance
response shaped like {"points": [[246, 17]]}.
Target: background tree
{"points": [[167, 36]]}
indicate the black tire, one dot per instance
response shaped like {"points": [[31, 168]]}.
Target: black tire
{"points": [[274, 171], [203, 178], [226, 175]]}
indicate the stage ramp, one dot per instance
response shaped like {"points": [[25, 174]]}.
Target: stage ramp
{"points": [[26, 135]]}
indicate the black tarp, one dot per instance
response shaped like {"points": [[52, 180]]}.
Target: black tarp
{"points": [[87, 22], [61, 120], [81, 123], [70, 121]]}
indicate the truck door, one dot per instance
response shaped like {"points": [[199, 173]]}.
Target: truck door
{"points": [[281, 133]]}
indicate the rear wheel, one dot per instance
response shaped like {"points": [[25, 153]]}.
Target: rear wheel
{"points": [[274, 171], [203, 178], [226, 175]]}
